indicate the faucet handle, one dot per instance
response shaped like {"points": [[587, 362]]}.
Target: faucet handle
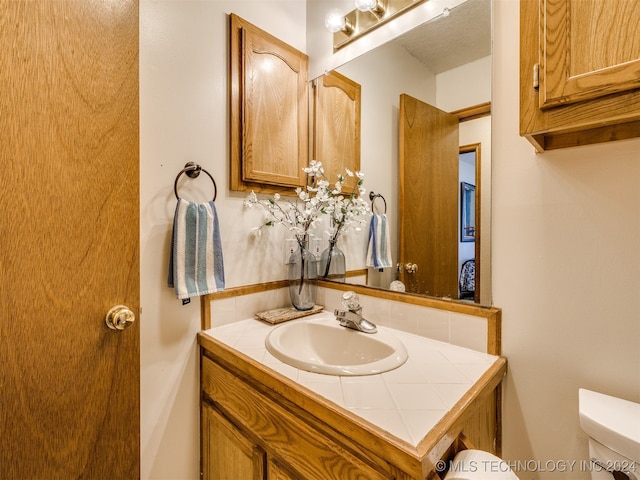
{"points": [[351, 301]]}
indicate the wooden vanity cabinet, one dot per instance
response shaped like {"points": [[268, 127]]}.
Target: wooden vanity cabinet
{"points": [[579, 72], [259, 425]]}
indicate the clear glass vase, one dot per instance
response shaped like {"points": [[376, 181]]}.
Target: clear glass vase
{"points": [[333, 264], [302, 275]]}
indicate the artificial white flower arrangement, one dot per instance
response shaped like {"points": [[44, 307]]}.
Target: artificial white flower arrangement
{"points": [[312, 202]]}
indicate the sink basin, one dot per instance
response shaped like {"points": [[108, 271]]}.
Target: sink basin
{"points": [[322, 345]]}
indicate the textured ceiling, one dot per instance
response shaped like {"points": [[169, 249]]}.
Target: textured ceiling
{"points": [[448, 42]]}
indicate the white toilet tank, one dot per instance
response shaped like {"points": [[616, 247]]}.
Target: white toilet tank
{"points": [[613, 426]]}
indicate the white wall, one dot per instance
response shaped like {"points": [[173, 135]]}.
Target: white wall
{"points": [[566, 272], [184, 117]]}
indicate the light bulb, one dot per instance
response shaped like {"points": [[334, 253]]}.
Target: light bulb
{"points": [[366, 5], [334, 21]]}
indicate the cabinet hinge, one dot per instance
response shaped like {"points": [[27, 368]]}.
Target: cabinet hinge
{"points": [[536, 76]]}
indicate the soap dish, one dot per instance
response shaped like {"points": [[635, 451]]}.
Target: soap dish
{"points": [[285, 314]]}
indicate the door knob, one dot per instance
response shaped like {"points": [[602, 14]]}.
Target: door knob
{"points": [[119, 317], [411, 268]]}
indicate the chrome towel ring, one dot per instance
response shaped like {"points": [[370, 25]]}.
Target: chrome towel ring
{"points": [[192, 170]]}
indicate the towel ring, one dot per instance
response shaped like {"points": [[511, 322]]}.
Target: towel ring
{"points": [[373, 196], [192, 170]]}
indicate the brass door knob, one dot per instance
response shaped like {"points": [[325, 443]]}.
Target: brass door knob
{"points": [[411, 268], [119, 318]]}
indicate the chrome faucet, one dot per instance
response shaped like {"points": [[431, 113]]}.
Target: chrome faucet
{"points": [[352, 317]]}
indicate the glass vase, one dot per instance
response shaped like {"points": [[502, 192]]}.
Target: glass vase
{"points": [[302, 275], [333, 264]]}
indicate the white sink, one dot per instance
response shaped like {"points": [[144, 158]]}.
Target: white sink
{"points": [[322, 345]]}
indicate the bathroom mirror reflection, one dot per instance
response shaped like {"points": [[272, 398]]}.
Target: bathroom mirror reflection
{"points": [[444, 63]]}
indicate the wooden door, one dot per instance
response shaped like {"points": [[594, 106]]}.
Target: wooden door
{"points": [[429, 179], [69, 239]]}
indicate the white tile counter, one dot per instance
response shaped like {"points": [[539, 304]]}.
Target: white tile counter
{"points": [[406, 402]]}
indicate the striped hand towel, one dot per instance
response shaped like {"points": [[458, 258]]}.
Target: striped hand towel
{"points": [[379, 250], [195, 265]]}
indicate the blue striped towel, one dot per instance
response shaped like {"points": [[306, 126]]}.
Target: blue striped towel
{"points": [[195, 265], [379, 250]]}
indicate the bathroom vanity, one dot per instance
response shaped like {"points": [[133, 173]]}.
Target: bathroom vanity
{"points": [[262, 418]]}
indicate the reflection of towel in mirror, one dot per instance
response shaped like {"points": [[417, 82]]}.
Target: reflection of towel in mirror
{"points": [[379, 250], [195, 265]]}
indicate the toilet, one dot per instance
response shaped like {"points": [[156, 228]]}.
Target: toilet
{"points": [[613, 427], [479, 465]]}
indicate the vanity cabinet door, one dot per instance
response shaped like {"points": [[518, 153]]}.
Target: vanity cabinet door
{"points": [[287, 436], [269, 111], [579, 71], [276, 472], [226, 453]]}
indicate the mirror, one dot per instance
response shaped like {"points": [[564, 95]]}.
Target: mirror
{"points": [[445, 63]]}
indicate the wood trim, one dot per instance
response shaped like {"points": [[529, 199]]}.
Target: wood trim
{"points": [[610, 133], [357, 273], [473, 112], [451, 426], [205, 300]]}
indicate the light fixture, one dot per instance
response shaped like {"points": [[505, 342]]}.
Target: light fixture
{"points": [[376, 7], [368, 15], [336, 22]]}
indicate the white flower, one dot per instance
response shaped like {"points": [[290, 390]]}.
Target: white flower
{"points": [[251, 199], [313, 201]]}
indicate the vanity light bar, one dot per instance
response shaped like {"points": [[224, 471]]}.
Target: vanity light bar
{"points": [[361, 22]]}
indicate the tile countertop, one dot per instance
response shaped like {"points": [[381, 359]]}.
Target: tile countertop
{"points": [[406, 402]]}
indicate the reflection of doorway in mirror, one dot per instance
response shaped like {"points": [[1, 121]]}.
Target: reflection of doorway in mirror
{"points": [[429, 179], [469, 223]]}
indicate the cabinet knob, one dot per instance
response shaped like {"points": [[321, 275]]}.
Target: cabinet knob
{"points": [[119, 318]]}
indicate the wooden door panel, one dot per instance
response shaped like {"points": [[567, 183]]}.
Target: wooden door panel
{"points": [[70, 238], [269, 110], [227, 454], [584, 54], [428, 171], [336, 139]]}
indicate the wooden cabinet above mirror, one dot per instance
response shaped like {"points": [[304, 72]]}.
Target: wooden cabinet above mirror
{"points": [[269, 111]]}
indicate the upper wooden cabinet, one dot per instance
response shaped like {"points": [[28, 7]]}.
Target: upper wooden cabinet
{"points": [[579, 71], [336, 125], [269, 111]]}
